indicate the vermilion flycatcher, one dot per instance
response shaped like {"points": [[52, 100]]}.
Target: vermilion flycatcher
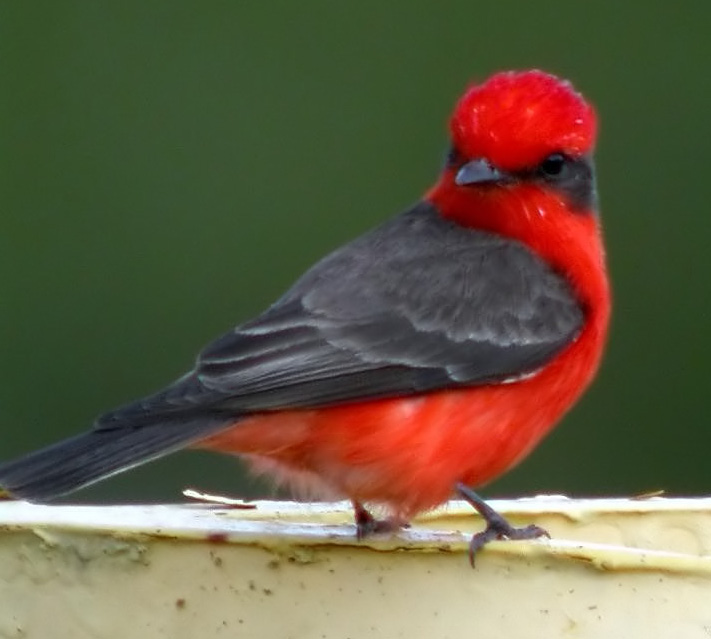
{"points": [[424, 357]]}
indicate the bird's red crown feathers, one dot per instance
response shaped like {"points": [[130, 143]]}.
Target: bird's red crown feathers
{"points": [[515, 119]]}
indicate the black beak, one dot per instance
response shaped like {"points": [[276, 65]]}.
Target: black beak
{"points": [[478, 172]]}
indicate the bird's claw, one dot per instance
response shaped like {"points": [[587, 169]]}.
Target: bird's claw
{"points": [[502, 529], [367, 525], [497, 527]]}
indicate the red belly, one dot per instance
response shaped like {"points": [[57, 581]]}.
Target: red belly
{"points": [[407, 453]]}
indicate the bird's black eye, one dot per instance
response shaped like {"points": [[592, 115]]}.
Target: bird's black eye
{"points": [[554, 165], [571, 176], [454, 157]]}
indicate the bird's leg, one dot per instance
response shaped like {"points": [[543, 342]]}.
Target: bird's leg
{"points": [[496, 525], [367, 525]]}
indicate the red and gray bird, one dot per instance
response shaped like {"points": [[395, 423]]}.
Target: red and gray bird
{"points": [[420, 360]]}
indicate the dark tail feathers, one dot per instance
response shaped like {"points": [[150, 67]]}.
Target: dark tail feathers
{"points": [[96, 454]]}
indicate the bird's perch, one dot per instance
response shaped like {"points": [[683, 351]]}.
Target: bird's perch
{"points": [[612, 568]]}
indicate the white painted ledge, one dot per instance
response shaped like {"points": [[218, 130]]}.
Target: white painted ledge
{"points": [[614, 568]]}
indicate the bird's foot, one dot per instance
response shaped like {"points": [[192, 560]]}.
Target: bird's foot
{"points": [[367, 525], [497, 527]]}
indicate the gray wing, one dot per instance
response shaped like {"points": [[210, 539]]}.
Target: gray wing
{"points": [[418, 304]]}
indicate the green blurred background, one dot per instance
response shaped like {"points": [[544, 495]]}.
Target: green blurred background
{"points": [[168, 168]]}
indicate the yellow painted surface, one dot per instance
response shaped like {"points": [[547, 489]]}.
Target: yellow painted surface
{"points": [[614, 568]]}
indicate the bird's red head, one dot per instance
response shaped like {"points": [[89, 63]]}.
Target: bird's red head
{"points": [[517, 118], [521, 167]]}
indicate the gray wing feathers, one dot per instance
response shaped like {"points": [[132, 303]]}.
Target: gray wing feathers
{"points": [[417, 304], [440, 304]]}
